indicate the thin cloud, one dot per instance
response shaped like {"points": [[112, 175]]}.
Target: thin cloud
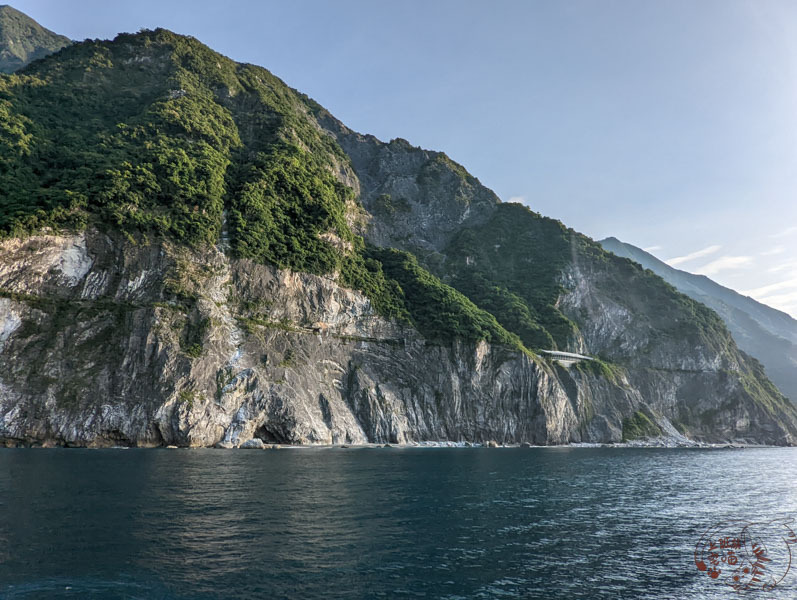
{"points": [[774, 251], [785, 302], [689, 257], [520, 199], [783, 267], [766, 290], [652, 248], [725, 263], [786, 232]]}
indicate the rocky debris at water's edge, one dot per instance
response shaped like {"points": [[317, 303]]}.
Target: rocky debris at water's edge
{"points": [[253, 444]]}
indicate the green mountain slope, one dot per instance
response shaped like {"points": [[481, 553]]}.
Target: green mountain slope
{"points": [[23, 40], [157, 135], [764, 332]]}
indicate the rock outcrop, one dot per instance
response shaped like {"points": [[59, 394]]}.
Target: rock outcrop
{"points": [[104, 342]]}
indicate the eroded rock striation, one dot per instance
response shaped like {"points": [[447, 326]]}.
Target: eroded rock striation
{"points": [[97, 349]]}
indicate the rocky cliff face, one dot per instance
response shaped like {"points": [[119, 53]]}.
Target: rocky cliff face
{"points": [[703, 390], [215, 287], [417, 199], [687, 380], [103, 342], [263, 353], [764, 332]]}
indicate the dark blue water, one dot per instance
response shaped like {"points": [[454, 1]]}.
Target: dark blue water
{"points": [[378, 523]]}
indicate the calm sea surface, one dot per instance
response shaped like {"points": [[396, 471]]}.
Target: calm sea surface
{"points": [[379, 523]]}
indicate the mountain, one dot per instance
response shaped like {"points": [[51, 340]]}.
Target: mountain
{"points": [[764, 332], [194, 253], [23, 40]]}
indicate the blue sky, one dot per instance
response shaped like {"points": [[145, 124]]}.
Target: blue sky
{"points": [[671, 125]]}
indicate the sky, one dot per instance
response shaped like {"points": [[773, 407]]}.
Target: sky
{"points": [[670, 124]]}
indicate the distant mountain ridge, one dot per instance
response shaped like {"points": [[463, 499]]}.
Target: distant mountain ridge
{"points": [[23, 40], [768, 334]]}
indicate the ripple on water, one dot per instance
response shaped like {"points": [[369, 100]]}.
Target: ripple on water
{"points": [[401, 523]]}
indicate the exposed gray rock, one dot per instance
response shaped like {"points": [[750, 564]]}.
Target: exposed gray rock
{"points": [[767, 334], [418, 198], [96, 352], [253, 444]]}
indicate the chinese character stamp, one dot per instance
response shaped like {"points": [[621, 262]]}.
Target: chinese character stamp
{"points": [[746, 555]]}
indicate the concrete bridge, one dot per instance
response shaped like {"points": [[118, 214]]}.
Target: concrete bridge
{"points": [[566, 359]]}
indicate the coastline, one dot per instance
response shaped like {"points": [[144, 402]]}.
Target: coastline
{"points": [[635, 444]]}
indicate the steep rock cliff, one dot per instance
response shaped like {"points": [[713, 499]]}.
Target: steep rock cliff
{"points": [[204, 281], [674, 353], [152, 344], [764, 332], [120, 358]]}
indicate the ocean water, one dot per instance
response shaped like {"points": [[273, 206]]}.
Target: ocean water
{"points": [[450, 523]]}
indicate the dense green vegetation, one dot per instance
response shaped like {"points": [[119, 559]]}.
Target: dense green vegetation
{"points": [[158, 136], [511, 266], [512, 311], [116, 133], [756, 383], [439, 311], [156, 133], [600, 368], [363, 272], [22, 40], [639, 426], [284, 206]]}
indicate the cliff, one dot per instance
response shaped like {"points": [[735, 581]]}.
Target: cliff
{"points": [[768, 334], [195, 254], [267, 353], [99, 350]]}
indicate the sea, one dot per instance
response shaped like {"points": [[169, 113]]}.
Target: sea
{"points": [[400, 522]]}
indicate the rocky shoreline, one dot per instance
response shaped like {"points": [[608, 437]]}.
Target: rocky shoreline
{"points": [[256, 444]]}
